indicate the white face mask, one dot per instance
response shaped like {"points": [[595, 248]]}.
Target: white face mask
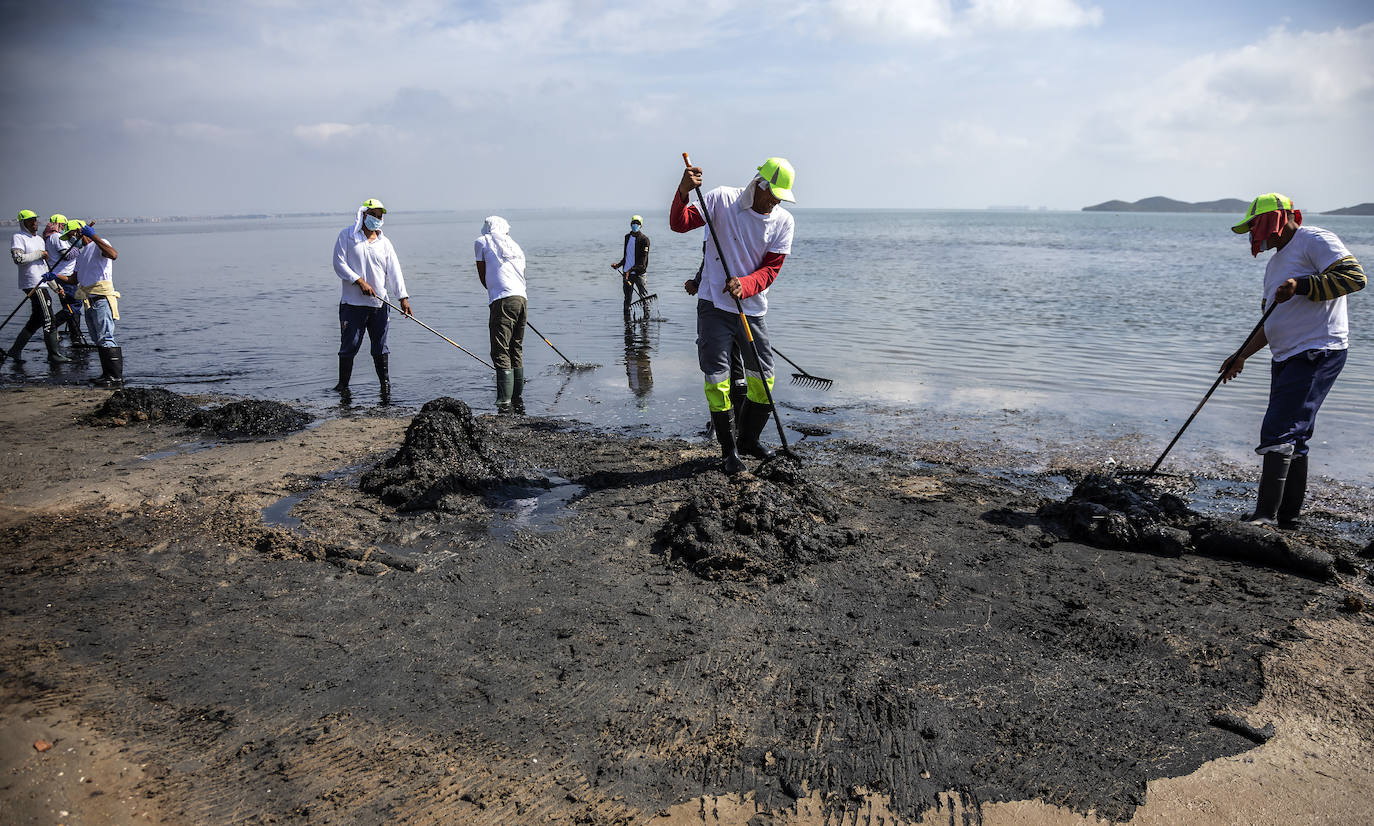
{"points": [[372, 222]]}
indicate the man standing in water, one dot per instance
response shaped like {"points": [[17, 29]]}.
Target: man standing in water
{"points": [[635, 261], [1309, 275], [94, 279], [30, 254], [367, 265], [755, 235], [501, 269], [60, 251]]}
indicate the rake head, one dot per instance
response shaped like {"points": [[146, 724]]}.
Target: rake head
{"points": [[808, 380], [577, 368], [651, 297]]}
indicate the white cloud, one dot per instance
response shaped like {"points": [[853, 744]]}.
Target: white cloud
{"points": [[328, 134], [1032, 14], [936, 19], [1218, 101], [919, 19]]}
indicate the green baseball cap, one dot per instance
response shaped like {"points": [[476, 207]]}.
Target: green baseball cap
{"points": [[1268, 202], [779, 175]]}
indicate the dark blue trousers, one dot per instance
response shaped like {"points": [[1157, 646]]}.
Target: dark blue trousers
{"points": [[1297, 388], [355, 320]]}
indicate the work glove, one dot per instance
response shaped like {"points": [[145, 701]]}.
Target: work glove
{"points": [[88, 232]]}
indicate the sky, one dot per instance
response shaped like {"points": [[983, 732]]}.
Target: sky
{"points": [[153, 108]]}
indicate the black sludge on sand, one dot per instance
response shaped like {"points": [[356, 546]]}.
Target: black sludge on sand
{"points": [[251, 418], [1108, 512], [769, 526], [144, 404], [444, 456]]}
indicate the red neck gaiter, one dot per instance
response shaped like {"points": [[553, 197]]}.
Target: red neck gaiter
{"points": [[1263, 227]]}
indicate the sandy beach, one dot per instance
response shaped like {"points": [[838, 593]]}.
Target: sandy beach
{"points": [[201, 630]]}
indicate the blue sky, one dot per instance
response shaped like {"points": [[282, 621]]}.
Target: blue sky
{"points": [[161, 108]]}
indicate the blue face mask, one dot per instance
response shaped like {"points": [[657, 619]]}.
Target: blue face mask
{"points": [[372, 222], [634, 227]]}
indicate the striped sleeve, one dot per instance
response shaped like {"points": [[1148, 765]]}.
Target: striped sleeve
{"points": [[1341, 278]]}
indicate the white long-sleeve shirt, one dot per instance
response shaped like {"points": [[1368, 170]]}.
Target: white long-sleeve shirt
{"points": [[375, 262], [28, 254]]}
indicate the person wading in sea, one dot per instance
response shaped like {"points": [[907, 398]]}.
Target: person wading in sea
{"points": [[1309, 275], [635, 261], [59, 251], [94, 279], [367, 265], [501, 269], [30, 254], [755, 236]]}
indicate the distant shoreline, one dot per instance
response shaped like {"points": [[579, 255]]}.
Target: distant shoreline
{"points": [[1226, 205]]}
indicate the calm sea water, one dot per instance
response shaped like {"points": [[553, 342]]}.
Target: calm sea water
{"points": [[1042, 330]]}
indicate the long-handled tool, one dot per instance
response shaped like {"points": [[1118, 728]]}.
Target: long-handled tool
{"points": [[804, 378], [439, 334], [1224, 370], [51, 267], [571, 365], [748, 334]]}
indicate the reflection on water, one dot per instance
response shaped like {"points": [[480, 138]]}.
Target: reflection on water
{"points": [[637, 346], [1091, 326]]}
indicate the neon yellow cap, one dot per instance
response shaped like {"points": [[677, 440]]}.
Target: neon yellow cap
{"points": [[373, 203], [57, 218], [779, 175], [73, 226], [1268, 202], [635, 219], [26, 214]]}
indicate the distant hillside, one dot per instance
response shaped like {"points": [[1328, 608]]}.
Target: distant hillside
{"points": [[1362, 209], [1162, 204]]}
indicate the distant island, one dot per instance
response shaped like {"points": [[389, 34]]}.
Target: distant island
{"points": [[1360, 209], [1162, 204], [1226, 205]]}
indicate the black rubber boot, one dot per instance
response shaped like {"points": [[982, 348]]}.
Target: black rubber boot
{"points": [[112, 360], [505, 388], [382, 365], [517, 398], [732, 462], [55, 355], [345, 373], [753, 417], [104, 353], [1294, 492], [1273, 480], [16, 350], [739, 394]]}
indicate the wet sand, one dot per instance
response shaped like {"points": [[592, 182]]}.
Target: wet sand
{"points": [[547, 653]]}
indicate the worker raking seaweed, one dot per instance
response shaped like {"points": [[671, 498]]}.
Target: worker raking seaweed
{"points": [[634, 261], [94, 280], [1307, 332], [366, 263], [501, 269], [30, 254], [754, 234]]}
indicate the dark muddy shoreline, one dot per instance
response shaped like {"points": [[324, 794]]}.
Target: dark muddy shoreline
{"points": [[426, 666]]}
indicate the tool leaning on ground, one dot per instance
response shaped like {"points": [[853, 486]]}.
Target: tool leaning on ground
{"points": [[439, 334], [748, 334], [1146, 474], [51, 267], [570, 363]]}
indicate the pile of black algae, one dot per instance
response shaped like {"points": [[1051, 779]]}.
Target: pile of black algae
{"points": [[444, 455], [251, 418], [143, 404], [770, 526], [1136, 515]]}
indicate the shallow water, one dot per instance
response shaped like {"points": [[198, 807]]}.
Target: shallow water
{"points": [[1028, 330]]}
